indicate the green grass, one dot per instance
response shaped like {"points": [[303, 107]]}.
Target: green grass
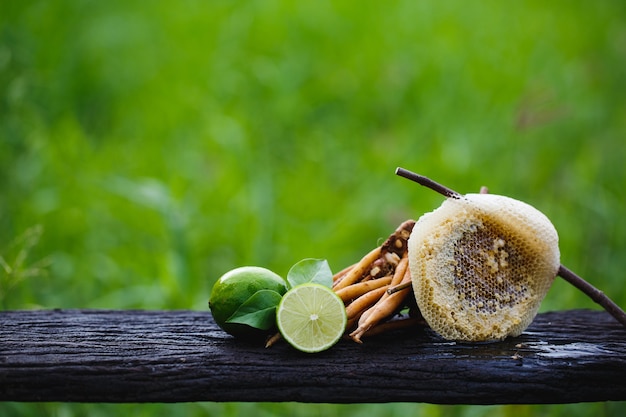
{"points": [[147, 148]]}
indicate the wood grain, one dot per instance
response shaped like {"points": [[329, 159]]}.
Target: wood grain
{"points": [[182, 356]]}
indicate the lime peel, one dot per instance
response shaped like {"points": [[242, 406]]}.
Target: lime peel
{"points": [[239, 287]]}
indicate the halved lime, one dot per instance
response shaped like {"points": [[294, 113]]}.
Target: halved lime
{"points": [[311, 317]]}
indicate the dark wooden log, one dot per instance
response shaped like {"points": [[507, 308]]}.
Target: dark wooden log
{"points": [[178, 356]]}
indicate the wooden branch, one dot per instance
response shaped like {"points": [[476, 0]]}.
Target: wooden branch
{"points": [[427, 182], [180, 356], [592, 292], [589, 290]]}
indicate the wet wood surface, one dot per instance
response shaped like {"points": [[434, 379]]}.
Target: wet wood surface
{"points": [[182, 356]]}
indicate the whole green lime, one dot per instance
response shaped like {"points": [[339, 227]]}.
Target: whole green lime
{"points": [[234, 288]]}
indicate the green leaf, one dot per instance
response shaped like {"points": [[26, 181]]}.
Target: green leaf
{"points": [[310, 270], [258, 311]]}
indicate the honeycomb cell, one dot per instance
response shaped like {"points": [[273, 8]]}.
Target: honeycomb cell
{"points": [[481, 265]]}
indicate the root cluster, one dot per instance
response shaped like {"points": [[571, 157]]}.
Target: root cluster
{"points": [[377, 289]]}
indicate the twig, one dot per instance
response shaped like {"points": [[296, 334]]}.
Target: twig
{"points": [[592, 292], [427, 182], [399, 287]]}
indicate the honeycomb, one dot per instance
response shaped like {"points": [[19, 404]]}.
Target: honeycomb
{"points": [[481, 265]]}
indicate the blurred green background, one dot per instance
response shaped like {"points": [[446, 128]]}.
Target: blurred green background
{"points": [[148, 147]]}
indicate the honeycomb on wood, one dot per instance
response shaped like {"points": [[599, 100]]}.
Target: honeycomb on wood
{"points": [[481, 265]]}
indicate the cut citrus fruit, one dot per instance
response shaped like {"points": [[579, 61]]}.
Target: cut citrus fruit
{"points": [[311, 317]]}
